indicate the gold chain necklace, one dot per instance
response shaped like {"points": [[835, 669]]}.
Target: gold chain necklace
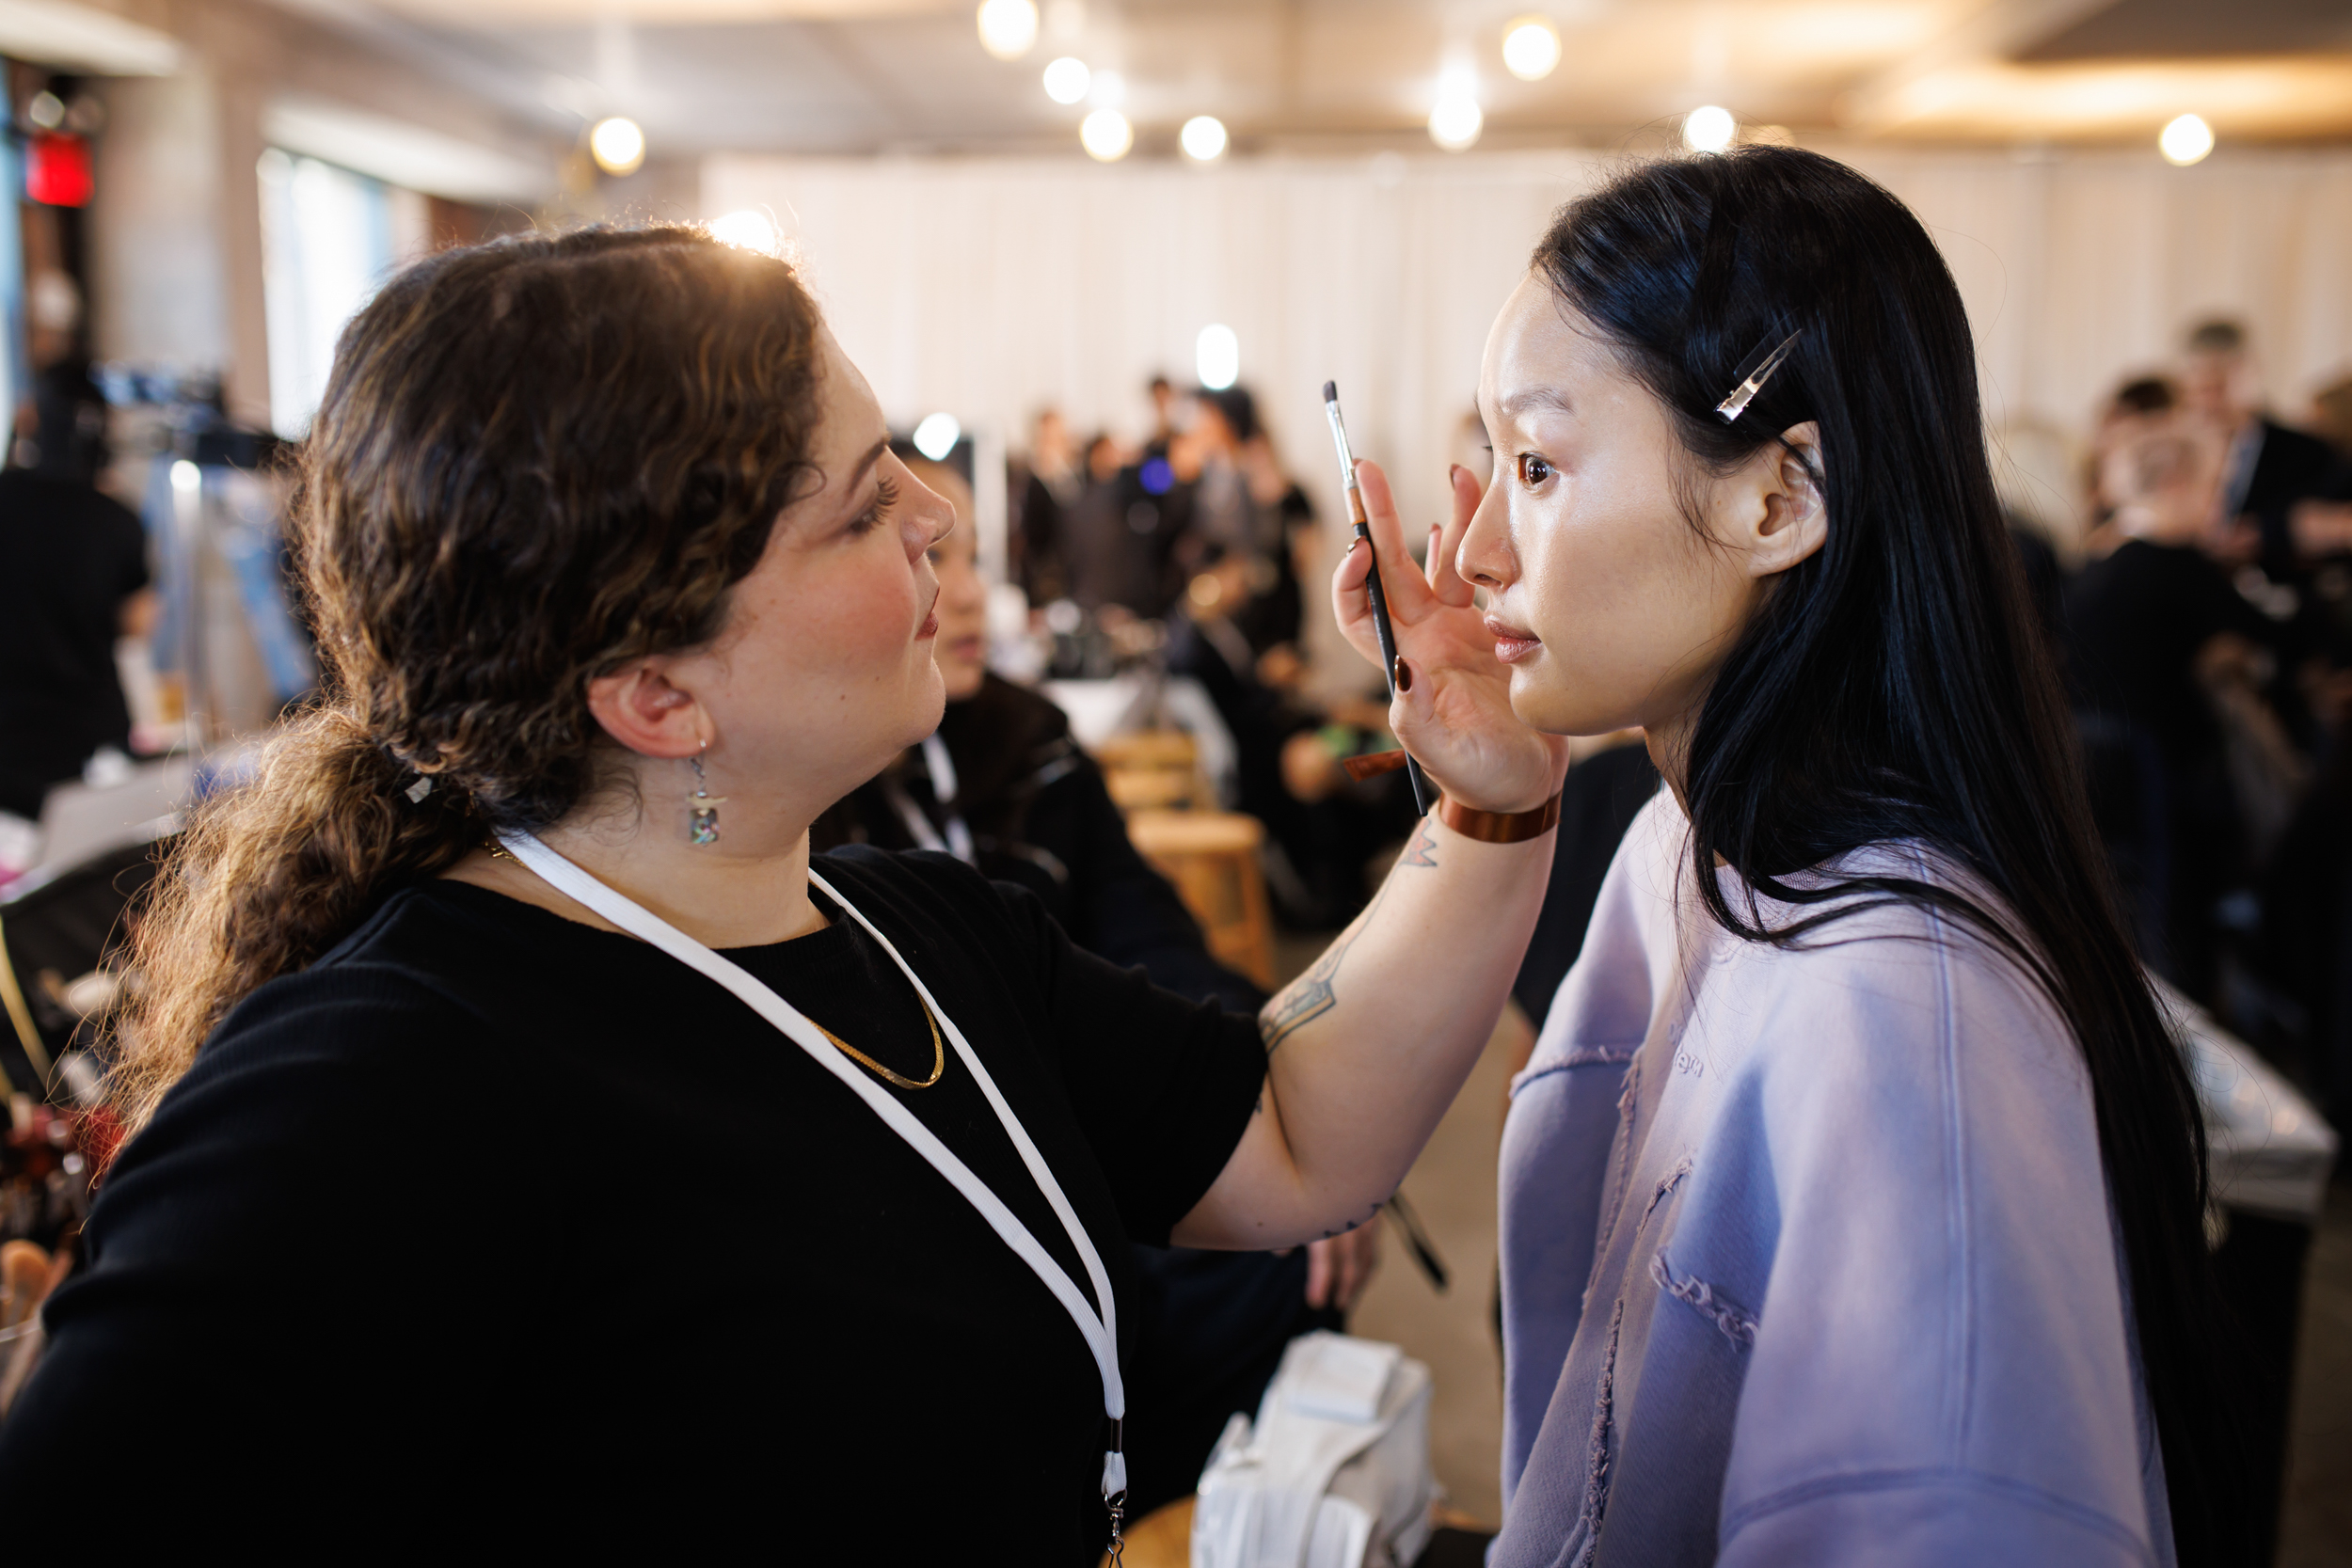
{"points": [[939, 1053]]}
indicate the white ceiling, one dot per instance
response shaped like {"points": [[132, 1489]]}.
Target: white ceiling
{"points": [[910, 76]]}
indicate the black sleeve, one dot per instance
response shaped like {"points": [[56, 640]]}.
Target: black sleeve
{"points": [[1121, 907], [129, 536], [1163, 1087], [267, 1284]]}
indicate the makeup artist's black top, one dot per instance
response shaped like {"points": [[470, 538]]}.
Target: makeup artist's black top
{"points": [[489, 1216]]}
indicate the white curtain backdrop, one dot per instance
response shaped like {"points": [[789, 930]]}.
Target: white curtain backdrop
{"points": [[991, 288]]}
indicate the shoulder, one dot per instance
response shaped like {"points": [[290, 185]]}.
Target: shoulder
{"points": [[1899, 1008], [2301, 448], [397, 980], [933, 897]]}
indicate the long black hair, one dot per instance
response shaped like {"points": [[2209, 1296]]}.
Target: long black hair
{"points": [[1893, 686]]}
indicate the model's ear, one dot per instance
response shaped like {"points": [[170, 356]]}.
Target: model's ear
{"points": [[1778, 513], [640, 708]]}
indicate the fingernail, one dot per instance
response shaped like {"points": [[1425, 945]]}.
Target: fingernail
{"points": [[1451, 469], [1403, 675]]}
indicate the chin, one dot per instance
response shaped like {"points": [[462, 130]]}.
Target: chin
{"points": [[931, 704], [1538, 702]]}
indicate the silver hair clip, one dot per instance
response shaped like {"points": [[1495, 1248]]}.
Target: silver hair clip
{"points": [[418, 791], [1737, 403]]}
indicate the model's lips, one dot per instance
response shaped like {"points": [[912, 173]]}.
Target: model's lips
{"points": [[930, 628], [1512, 643]]}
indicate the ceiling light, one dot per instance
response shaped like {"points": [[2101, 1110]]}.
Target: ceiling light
{"points": [[937, 435], [1106, 135], [2185, 141], [617, 145], [46, 110], [1708, 129], [1008, 27], [1456, 121], [1066, 80], [1216, 357], [1531, 47], [1202, 137], [745, 231]]}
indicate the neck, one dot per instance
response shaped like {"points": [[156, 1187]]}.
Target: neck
{"points": [[748, 890], [1669, 747]]}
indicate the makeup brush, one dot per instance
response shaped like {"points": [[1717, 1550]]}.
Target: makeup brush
{"points": [[1380, 626]]}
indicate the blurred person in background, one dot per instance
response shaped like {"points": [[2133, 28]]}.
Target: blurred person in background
{"points": [[1002, 788], [1164, 401], [1120, 543], [73, 582], [2270, 467], [2160, 646], [1045, 483]]}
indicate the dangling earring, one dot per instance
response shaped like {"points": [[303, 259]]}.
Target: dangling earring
{"points": [[702, 822]]}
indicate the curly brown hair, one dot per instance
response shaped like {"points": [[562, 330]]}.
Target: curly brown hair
{"points": [[536, 460]]}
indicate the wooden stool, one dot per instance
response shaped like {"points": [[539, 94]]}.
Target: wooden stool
{"points": [[1161, 749], [1212, 857], [1151, 771], [1149, 789]]}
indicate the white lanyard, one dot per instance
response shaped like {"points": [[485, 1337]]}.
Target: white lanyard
{"points": [[941, 768], [1102, 1333]]}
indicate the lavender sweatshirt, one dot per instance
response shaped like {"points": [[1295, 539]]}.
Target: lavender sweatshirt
{"points": [[1806, 1255]]}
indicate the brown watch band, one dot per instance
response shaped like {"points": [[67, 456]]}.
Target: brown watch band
{"points": [[1499, 827]]}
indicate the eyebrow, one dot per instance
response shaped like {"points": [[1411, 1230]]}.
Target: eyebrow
{"points": [[1534, 397], [873, 455]]}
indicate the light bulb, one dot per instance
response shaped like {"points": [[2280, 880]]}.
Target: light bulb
{"points": [[1008, 27], [617, 145], [1202, 137], [2185, 141], [745, 231], [1066, 80], [1217, 355], [1708, 129], [1531, 47], [1455, 122], [937, 435], [1106, 135]]}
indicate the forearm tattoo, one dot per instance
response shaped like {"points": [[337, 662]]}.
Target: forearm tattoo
{"points": [[1316, 993]]}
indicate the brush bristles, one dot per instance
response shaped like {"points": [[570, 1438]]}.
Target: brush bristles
{"points": [[1330, 391]]}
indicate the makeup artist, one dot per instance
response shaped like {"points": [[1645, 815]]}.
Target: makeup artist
{"points": [[536, 1146]]}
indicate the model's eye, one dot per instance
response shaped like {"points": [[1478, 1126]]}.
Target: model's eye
{"points": [[1533, 470]]}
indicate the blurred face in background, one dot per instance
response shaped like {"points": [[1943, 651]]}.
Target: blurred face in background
{"points": [[2218, 383], [2162, 474], [962, 643]]}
